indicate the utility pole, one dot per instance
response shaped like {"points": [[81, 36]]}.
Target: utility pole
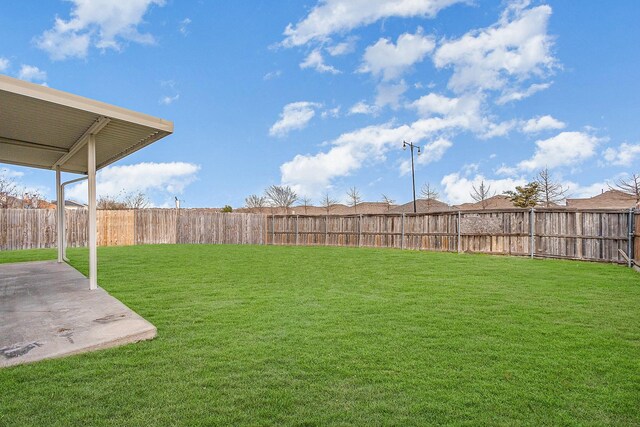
{"points": [[413, 173]]}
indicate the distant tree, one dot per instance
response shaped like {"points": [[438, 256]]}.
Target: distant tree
{"points": [[255, 202], [526, 196], [326, 202], [428, 193], [108, 202], [629, 186], [226, 209], [281, 196], [8, 192], [550, 191], [137, 200], [388, 201], [32, 200], [306, 202], [482, 193], [354, 198]]}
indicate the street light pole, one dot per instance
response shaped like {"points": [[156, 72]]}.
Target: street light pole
{"points": [[413, 173]]}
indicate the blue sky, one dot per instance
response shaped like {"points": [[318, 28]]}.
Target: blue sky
{"points": [[319, 95]]}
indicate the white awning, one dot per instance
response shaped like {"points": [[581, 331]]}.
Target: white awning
{"points": [[44, 128]]}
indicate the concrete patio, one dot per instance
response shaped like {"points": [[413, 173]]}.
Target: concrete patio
{"points": [[48, 311]]}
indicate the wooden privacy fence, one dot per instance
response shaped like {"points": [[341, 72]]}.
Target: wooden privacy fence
{"points": [[36, 228], [594, 235]]}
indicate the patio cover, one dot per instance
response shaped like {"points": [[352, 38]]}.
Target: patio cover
{"points": [[46, 128]]}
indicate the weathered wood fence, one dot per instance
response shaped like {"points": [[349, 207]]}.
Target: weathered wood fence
{"points": [[595, 235], [36, 228]]}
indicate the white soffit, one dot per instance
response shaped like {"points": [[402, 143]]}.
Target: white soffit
{"points": [[42, 127]]}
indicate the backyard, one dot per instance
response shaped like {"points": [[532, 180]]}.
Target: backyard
{"points": [[319, 335]]}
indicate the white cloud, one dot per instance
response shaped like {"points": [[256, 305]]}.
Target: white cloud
{"points": [[295, 115], [184, 26], [168, 100], [10, 173], [101, 23], [541, 123], [564, 149], [505, 54], [390, 94], [390, 61], [339, 16], [331, 112], [624, 155], [4, 64], [315, 60], [312, 173], [160, 179], [494, 130], [431, 152], [507, 170], [272, 75], [362, 107], [32, 73], [342, 48], [517, 95], [458, 188]]}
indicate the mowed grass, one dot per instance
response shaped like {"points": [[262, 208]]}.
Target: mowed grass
{"points": [[252, 335]]}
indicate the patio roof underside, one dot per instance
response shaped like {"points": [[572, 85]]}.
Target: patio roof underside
{"points": [[42, 127]]}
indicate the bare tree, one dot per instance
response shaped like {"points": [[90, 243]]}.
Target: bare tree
{"points": [[354, 198], [306, 202], [428, 193], [108, 202], [281, 196], [137, 200], [326, 202], [255, 202], [629, 186], [481, 194], [388, 201], [8, 192], [33, 200], [550, 191]]}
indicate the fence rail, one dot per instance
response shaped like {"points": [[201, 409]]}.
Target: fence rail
{"points": [[595, 235]]}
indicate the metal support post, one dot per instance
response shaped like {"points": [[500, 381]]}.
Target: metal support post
{"points": [[93, 250], [59, 213]]}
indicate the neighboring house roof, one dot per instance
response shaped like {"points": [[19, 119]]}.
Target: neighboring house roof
{"points": [[611, 199], [498, 201], [70, 204], [364, 208], [422, 205]]}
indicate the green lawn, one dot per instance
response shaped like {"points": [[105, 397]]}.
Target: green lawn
{"points": [[252, 335]]}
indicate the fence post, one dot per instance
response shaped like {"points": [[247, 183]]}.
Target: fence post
{"points": [[326, 231], [532, 243], [630, 225], [459, 242], [273, 229], [402, 233], [296, 230], [360, 231]]}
